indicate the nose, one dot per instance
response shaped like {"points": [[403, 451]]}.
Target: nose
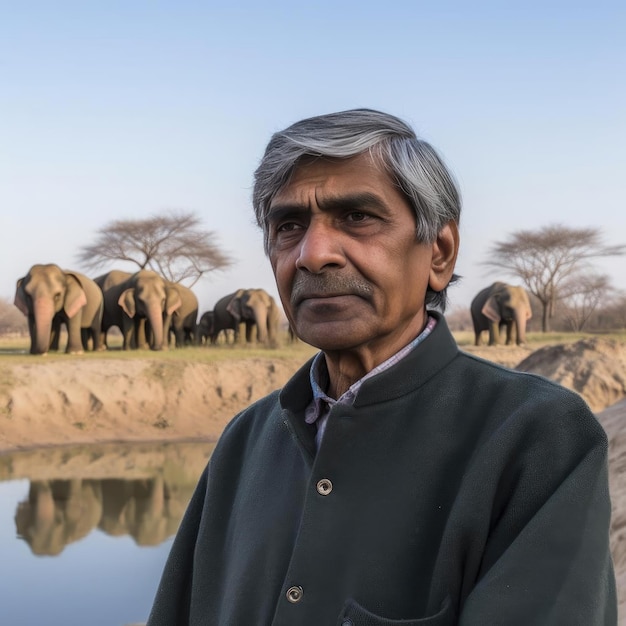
{"points": [[320, 249]]}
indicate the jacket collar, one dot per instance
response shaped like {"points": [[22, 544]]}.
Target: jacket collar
{"points": [[416, 368]]}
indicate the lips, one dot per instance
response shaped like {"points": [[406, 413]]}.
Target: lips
{"points": [[320, 296]]}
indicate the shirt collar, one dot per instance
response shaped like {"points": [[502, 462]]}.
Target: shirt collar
{"points": [[318, 375]]}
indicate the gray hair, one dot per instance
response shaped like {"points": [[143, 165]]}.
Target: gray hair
{"points": [[412, 163]]}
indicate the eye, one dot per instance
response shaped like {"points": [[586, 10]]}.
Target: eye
{"points": [[286, 227], [356, 216]]}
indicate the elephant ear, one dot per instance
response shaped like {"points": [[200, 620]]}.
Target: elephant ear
{"points": [[234, 308], [127, 302], [173, 301], [491, 310], [75, 296], [20, 297]]}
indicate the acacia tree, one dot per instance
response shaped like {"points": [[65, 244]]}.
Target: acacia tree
{"points": [[551, 261], [172, 244]]}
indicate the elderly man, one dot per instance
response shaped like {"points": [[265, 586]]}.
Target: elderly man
{"points": [[394, 479]]}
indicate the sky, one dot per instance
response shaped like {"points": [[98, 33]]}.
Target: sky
{"points": [[125, 109]]}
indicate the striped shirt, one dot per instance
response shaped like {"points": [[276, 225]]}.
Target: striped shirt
{"points": [[319, 408]]}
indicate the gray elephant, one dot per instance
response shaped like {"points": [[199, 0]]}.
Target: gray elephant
{"points": [[182, 322], [131, 300], [50, 297], [206, 328], [501, 305], [253, 307]]}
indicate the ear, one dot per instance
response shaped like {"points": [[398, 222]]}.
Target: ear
{"points": [[127, 302], [445, 249], [491, 309], [173, 301], [20, 297], [234, 308], [75, 297]]}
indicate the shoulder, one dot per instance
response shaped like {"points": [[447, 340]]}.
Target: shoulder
{"points": [[527, 404]]}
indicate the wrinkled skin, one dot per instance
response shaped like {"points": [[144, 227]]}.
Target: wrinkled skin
{"points": [[500, 305], [51, 297], [131, 301]]}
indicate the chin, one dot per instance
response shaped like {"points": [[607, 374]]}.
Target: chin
{"points": [[329, 342]]}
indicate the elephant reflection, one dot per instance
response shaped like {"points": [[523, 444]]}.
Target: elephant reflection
{"points": [[60, 512], [147, 510]]}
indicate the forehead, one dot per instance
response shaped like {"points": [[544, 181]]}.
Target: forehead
{"points": [[330, 176]]}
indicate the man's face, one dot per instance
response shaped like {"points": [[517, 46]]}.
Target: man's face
{"points": [[349, 269]]}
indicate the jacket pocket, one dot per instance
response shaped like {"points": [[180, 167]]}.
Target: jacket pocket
{"points": [[353, 614]]}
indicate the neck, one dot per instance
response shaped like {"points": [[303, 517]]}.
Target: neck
{"points": [[345, 367]]}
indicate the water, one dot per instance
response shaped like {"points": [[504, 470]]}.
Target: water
{"points": [[85, 531]]}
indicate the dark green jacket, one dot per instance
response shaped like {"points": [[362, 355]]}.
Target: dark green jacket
{"points": [[454, 491]]}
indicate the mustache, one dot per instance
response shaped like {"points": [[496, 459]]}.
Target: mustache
{"points": [[326, 285]]}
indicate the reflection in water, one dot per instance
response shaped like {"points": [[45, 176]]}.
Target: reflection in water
{"points": [[100, 510], [59, 512], [140, 490]]}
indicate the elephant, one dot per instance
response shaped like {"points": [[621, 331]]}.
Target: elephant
{"points": [[252, 307], [182, 322], [131, 300], [499, 305], [206, 328], [50, 297]]}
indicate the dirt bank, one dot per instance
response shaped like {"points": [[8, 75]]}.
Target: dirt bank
{"points": [[84, 401]]}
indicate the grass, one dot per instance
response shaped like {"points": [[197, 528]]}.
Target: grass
{"points": [[14, 350], [537, 340]]}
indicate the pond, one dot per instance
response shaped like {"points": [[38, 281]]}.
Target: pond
{"points": [[85, 531]]}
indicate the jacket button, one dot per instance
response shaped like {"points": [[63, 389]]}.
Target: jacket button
{"points": [[294, 594], [324, 487]]}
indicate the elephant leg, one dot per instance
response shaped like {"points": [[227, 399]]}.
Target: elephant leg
{"points": [[494, 334], [250, 336], [509, 333], [32, 330], [96, 337], [128, 327], [142, 334], [74, 339], [85, 336], [55, 334]]}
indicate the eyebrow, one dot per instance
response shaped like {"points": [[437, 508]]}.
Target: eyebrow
{"points": [[354, 202]]}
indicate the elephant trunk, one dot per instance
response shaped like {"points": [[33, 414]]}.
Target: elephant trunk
{"points": [[43, 312], [154, 313], [261, 324]]}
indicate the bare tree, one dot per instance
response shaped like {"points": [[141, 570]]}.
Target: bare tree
{"points": [[550, 261], [585, 295], [172, 244]]}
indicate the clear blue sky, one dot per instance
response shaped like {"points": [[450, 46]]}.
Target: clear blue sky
{"points": [[123, 109]]}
